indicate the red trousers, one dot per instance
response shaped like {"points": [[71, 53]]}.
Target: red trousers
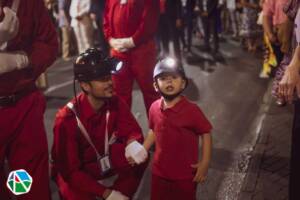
{"points": [[127, 183], [23, 144], [164, 189], [138, 64]]}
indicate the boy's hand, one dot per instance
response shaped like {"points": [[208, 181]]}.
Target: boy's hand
{"points": [[202, 169], [136, 152], [131, 161]]}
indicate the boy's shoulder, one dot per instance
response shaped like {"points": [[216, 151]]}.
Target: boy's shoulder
{"points": [[156, 104], [190, 105]]}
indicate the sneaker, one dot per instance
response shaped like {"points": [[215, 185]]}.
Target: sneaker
{"points": [[263, 75]]}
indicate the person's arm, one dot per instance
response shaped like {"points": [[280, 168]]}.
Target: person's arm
{"points": [[149, 22], [203, 165], [67, 161], [43, 50], [202, 128], [291, 78], [268, 8], [149, 141]]}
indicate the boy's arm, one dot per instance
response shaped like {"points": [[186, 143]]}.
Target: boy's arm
{"points": [[206, 148], [203, 164], [149, 140]]}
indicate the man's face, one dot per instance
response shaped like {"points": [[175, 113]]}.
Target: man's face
{"points": [[169, 83], [101, 88]]}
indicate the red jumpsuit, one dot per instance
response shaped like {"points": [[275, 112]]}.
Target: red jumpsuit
{"points": [[23, 139], [75, 166], [137, 19]]}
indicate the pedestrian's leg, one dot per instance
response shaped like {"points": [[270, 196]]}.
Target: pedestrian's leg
{"points": [[164, 35], [294, 192], [123, 82], [143, 68], [29, 149], [78, 35], [66, 39], [189, 30], [214, 25], [87, 32], [206, 28]]}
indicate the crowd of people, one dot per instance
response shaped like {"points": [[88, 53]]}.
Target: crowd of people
{"points": [[95, 134]]}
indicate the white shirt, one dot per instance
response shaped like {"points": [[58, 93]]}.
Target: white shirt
{"points": [[230, 4], [79, 8]]}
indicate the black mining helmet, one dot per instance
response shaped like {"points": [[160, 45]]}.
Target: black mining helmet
{"points": [[169, 65], [92, 65]]}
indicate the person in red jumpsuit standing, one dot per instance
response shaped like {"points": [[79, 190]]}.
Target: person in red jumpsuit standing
{"points": [[28, 43], [94, 134], [129, 27]]}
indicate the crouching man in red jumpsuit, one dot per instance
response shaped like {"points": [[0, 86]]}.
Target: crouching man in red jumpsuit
{"points": [[96, 136], [129, 27], [28, 45]]}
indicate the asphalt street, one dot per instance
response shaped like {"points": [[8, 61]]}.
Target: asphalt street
{"points": [[229, 92]]}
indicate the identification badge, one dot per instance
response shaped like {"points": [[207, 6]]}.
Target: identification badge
{"points": [[123, 1], [105, 165]]}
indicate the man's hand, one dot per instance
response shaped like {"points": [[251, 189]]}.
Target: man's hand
{"points": [[288, 83], [116, 195], [117, 45], [126, 43], [202, 169], [135, 152], [13, 61], [9, 26], [178, 23], [204, 14]]}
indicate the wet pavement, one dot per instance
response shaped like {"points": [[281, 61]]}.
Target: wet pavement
{"points": [[231, 95]]}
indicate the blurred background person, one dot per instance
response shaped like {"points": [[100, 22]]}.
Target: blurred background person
{"points": [[250, 30], [82, 23]]}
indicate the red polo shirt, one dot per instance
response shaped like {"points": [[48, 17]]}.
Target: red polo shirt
{"points": [[38, 38], [177, 132], [74, 158]]}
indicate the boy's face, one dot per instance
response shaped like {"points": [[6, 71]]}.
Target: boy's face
{"points": [[99, 88], [169, 83]]}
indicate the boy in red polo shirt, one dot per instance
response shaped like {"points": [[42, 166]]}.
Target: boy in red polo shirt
{"points": [[176, 125]]}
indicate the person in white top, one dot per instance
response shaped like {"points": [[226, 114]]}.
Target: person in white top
{"points": [[231, 6], [82, 23]]}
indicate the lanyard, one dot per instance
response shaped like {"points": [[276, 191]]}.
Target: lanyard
{"points": [[86, 135]]}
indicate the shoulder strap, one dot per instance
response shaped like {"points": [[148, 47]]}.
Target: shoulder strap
{"points": [[83, 129]]}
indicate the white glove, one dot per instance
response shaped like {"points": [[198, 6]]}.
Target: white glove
{"points": [[13, 61], [116, 195], [126, 43], [116, 45], [9, 26], [121, 44], [136, 151]]}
